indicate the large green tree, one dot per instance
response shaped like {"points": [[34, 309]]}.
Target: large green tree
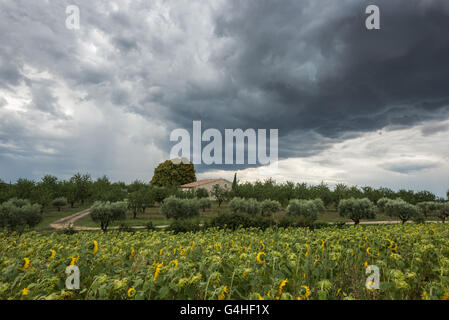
{"points": [[171, 174]]}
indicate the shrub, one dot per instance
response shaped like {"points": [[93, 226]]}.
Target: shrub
{"points": [[356, 209], [269, 207], [184, 225], [319, 204], [149, 226], [249, 206], [107, 212], [125, 228], [69, 230], [442, 210], [427, 208], [204, 203], [59, 202], [234, 221], [237, 205], [296, 221], [306, 208], [18, 214], [401, 209], [381, 204], [201, 193], [252, 206], [175, 208]]}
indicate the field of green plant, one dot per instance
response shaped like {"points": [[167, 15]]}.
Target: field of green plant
{"points": [[293, 263]]}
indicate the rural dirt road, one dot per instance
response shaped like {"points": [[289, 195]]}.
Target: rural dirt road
{"points": [[70, 220]]}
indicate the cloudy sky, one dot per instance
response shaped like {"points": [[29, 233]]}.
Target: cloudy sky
{"points": [[363, 107]]}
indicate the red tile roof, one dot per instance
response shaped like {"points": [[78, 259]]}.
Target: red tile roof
{"points": [[199, 183]]}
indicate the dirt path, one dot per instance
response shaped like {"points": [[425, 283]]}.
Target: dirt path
{"points": [[70, 221]]}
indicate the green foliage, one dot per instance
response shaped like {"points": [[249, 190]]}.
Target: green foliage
{"points": [[428, 208], [81, 186], [184, 225], [204, 203], [249, 206], [234, 183], [124, 227], [219, 193], [201, 193], [107, 212], [268, 207], [104, 190], [296, 221], [175, 208], [236, 205], [140, 199], [381, 204], [306, 208], [401, 209], [59, 202], [235, 221], [18, 214], [442, 210], [149, 226], [356, 209], [171, 174]]}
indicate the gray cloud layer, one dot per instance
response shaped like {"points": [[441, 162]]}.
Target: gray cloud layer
{"points": [[309, 68]]}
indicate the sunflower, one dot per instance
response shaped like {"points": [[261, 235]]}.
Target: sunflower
{"points": [[281, 287], [174, 262], [131, 292], [25, 291], [158, 270], [222, 295], [95, 249], [307, 252], [307, 293], [259, 257], [26, 265]]}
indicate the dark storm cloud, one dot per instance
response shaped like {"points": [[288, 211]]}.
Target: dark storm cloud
{"points": [[308, 68], [408, 166], [313, 66]]}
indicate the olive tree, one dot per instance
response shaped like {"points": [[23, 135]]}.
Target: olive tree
{"points": [[250, 206], [219, 193], [428, 208], [18, 214], [381, 204], [306, 208], [204, 203], [59, 202], [175, 208], [201, 193], [442, 210], [107, 212], [401, 209], [356, 209], [269, 207], [237, 204]]}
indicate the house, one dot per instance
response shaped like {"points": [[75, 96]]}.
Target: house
{"points": [[207, 184]]}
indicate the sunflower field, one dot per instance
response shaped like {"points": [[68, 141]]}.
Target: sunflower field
{"points": [[293, 263]]}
